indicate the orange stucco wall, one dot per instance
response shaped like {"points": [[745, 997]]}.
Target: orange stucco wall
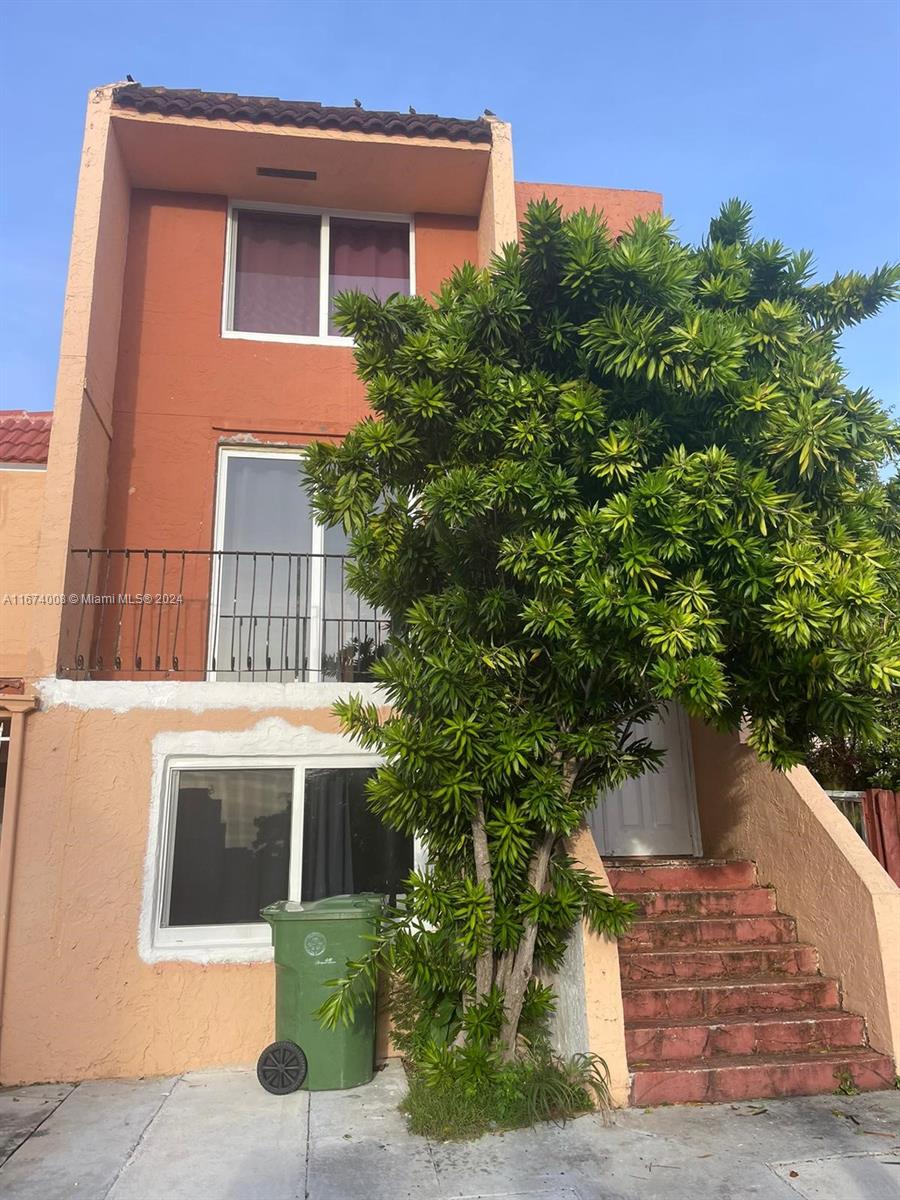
{"points": [[21, 511], [845, 903], [181, 388], [79, 1002], [619, 205]]}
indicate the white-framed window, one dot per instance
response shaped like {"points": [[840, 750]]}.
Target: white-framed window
{"points": [[284, 266], [238, 833], [280, 606]]}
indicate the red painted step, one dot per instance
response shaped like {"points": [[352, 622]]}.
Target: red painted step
{"points": [[717, 962], [738, 902], [716, 998], [743, 1034], [679, 874], [730, 1078], [721, 1001], [665, 933]]}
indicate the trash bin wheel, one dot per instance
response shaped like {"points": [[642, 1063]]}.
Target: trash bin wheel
{"points": [[281, 1068]]}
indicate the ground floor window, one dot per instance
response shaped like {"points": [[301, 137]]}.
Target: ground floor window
{"points": [[238, 834]]}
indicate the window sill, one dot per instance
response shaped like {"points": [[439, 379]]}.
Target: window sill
{"points": [[234, 944], [290, 339]]}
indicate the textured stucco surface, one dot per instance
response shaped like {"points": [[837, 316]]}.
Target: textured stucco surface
{"points": [[75, 492], [181, 388], [619, 206], [845, 903], [79, 1001], [21, 509], [123, 695], [602, 983]]}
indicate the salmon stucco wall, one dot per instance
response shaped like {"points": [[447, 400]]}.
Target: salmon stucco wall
{"points": [[75, 490], [844, 901], [21, 511], [181, 388], [619, 206], [80, 1002]]}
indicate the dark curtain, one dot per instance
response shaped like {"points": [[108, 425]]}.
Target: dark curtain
{"points": [[276, 283], [346, 848], [368, 256]]}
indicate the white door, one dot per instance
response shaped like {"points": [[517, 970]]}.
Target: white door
{"points": [[656, 814]]}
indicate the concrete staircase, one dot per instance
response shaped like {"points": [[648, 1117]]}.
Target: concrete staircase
{"points": [[721, 1001]]}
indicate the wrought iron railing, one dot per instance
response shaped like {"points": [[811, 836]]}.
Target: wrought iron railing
{"points": [[851, 805], [218, 615]]}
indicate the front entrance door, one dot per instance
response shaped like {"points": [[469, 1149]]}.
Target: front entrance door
{"points": [[656, 814]]}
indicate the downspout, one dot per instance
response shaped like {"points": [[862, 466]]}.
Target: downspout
{"points": [[18, 708]]}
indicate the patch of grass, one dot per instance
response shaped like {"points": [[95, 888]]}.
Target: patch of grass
{"points": [[845, 1084], [537, 1088]]}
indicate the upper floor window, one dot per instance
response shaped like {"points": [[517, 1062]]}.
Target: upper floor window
{"points": [[284, 268]]}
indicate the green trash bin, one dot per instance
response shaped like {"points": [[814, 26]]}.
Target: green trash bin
{"points": [[313, 942]]}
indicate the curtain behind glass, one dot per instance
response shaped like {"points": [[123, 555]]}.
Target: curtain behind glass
{"points": [[346, 848], [232, 845], [367, 256], [276, 280]]}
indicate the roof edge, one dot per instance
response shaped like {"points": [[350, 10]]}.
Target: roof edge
{"points": [[303, 114]]}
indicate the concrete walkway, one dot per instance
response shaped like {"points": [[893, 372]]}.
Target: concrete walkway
{"points": [[218, 1136]]}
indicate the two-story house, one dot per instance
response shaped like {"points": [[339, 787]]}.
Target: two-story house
{"points": [[173, 761]]}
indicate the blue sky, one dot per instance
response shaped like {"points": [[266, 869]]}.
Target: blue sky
{"points": [[794, 106]]}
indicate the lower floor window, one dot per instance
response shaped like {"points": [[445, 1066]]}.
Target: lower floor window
{"points": [[237, 836]]}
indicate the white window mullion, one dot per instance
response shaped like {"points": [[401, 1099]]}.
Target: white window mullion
{"points": [[295, 870], [168, 849], [324, 252], [316, 641]]}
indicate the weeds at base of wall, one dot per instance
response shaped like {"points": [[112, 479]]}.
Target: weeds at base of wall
{"points": [[515, 1096]]}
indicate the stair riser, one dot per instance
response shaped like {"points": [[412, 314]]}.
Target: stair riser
{"points": [[756, 1082], [670, 1043], [683, 877], [652, 1004], [740, 902], [641, 967], [669, 935]]}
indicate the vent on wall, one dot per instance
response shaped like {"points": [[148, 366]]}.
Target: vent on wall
{"points": [[284, 173]]}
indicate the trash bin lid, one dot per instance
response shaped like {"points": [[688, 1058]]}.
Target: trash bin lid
{"points": [[331, 908]]}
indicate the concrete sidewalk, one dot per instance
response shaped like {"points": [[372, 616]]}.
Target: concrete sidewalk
{"points": [[218, 1136]]}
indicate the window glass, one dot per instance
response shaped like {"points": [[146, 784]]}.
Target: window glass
{"points": [[352, 631], [367, 256], [276, 279], [232, 844], [264, 592], [346, 848]]}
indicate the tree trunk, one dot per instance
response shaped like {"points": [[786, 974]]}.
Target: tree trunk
{"points": [[516, 966], [484, 964]]}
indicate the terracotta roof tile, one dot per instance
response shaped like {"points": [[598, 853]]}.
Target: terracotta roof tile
{"points": [[269, 110], [24, 436]]}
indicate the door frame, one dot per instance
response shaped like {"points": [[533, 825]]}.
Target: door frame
{"points": [[677, 714], [316, 560]]}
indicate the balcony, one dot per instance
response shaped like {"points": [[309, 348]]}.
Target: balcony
{"points": [[236, 616]]}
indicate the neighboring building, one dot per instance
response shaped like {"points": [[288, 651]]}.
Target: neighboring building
{"points": [[24, 445], [174, 764]]}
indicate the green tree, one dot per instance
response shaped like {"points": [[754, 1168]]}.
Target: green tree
{"points": [[855, 759], [600, 477]]}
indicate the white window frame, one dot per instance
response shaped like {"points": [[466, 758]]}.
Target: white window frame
{"points": [[316, 549], [235, 942], [325, 214]]}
